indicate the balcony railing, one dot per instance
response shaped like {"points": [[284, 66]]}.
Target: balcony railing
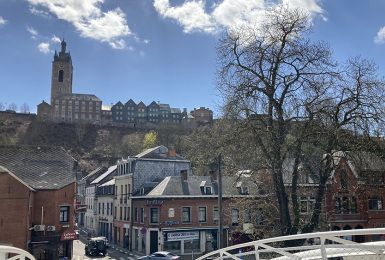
{"points": [[17, 253], [321, 245]]}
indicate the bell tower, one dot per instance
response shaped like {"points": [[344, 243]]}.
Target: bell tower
{"points": [[61, 79]]}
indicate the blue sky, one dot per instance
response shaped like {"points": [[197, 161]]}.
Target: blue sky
{"points": [[160, 50]]}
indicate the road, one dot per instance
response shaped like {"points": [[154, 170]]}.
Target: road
{"points": [[111, 255]]}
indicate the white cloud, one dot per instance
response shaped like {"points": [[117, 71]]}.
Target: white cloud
{"points": [[146, 41], [192, 14], [44, 47], [55, 39], [89, 19], [2, 21], [32, 31], [380, 37]]}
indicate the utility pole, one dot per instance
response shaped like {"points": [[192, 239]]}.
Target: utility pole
{"points": [[220, 234]]}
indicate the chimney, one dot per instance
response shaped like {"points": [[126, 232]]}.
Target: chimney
{"points": [[171, 152], [183, 175]]}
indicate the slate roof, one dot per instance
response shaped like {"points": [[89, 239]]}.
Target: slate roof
{"points": [[41, 167], [110, 170], [175, 186], [75, 96], [159, 152]]}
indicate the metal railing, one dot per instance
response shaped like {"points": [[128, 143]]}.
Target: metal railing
{"points": [[320, 245], [16, 253]]}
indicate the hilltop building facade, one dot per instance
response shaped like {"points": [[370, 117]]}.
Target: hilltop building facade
{"points": [[67, 106]]}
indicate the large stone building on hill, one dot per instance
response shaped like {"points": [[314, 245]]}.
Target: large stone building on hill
{"points": [[65, 105]]}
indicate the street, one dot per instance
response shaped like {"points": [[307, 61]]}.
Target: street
{"points": [[112, 254]]}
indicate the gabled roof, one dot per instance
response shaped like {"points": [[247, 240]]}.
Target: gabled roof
{"points": [[141, 104], [153, 104], [360, 161], [110, 170], [5, 170], [159, 152], [108, 183], [94, 173], [118, 104], [41, 167], [130, 103], [164, 107]]}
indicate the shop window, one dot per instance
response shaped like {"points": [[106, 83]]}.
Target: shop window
{"points": [[64, 213], [202, 214], [375, 203], [186, 214], [234, 217], [154, 215]]}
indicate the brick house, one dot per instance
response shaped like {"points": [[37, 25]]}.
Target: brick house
{"points": [[37, 195], [180, 214], [133, 173], [356, 192]]}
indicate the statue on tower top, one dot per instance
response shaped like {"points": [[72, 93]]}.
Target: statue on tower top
{"points": [[63, 46]]}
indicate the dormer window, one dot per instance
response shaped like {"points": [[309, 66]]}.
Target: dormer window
{"points": [[208, 190], [142, 191]]}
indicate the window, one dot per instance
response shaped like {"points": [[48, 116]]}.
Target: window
{"points": [[235, 217], [215, 214], [136, 214], [353, 205], [61, 75], [202, 214], [64, 213], [247, 216], [375, 203], [171, 212], [99, 207], [121, 213], [337, 205], [103, 208], [186, 214], [344, 180], [154, 215], [141, 215], [115, 212], [306, 205], [259, 218], [345, 205], [208, 190]]}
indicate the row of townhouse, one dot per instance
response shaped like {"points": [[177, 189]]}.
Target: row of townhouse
{"points": [[37, 195], [153, 204]]}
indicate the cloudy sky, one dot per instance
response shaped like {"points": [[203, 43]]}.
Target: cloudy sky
{"points": [[162, 50]]}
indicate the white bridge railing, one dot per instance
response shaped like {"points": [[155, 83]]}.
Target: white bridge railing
{"points": [[14, 253], [321, 245]]}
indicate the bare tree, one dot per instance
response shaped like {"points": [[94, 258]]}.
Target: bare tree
{"points": [[12, 107], [289, 94], [2, 106], [24, 108]]}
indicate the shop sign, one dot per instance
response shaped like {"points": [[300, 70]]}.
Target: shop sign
{"points": [[69, 234], [171, 222], [186, 235], [154, 202]]}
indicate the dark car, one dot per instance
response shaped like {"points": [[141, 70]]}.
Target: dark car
{"points": [[160, 255], [96, 246]]}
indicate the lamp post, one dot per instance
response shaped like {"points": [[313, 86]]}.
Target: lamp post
{"points": [[220, 234]]}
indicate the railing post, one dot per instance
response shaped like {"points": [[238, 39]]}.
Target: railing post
{"points": [[323, 249]]}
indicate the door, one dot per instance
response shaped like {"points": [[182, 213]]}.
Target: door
{"points": [[153, 241]]}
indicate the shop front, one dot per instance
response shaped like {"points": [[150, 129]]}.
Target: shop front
{"points": [[186, 242], [54, 246]]}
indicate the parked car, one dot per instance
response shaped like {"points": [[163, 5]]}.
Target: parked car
{"points": [[160, 255], [96, 246]]}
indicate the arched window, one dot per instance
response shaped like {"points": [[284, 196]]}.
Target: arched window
{"points": [[61, 75]]}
